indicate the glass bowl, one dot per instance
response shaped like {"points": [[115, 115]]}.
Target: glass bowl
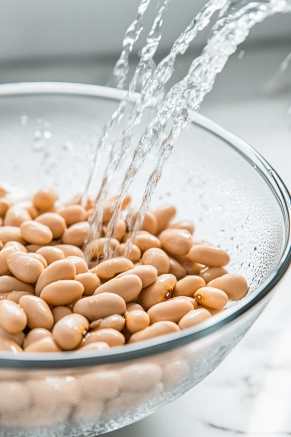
{"points": [[236, 200]]}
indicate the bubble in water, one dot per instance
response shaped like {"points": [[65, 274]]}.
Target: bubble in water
{"points": [[24, 120], [241, 54], [37, 135], [47, 134]]}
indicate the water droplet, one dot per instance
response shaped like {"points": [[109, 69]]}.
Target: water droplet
{"points": [[37, 135], [241, 54], [24, 120], [47, 134]]}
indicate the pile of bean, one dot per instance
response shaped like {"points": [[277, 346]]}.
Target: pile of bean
{"points": [[52, 301]]}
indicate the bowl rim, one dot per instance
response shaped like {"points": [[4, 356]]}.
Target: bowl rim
{"points": [[171, 341]]}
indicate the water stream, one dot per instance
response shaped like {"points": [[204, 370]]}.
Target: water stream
{"points": [[132, 34], [173, 109]]}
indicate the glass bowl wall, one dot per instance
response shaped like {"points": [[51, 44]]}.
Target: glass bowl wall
{"points": [[236, 201]]}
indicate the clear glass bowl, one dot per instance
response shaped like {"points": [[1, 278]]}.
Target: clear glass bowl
{"points": [[235, 199]]}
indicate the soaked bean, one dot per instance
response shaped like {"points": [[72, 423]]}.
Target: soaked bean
{"points": [[136, 320], [147, 274], [97, 346], [32, 248], [134, 255], [191, 267], [174, 372], [155, 330], [1, 244], [15, 296], [176, 241], [73, 214], [177, 269], [127, 287], [18, 338], [34, 335], [25, 267], [54, 391], [44, 199], [120, 230], [8, 345], [5, 253], [210, 273], [150, 223], [100, 306], [188, 299], [212, 311], [16, 216], [37, 311], [4, 206], [69, 331], [79, 263], [76, 234], [108, 335], [164, 214], [39, 258], [14, 396], [51, 254], [99, 385], [59, 270], [70, 250], [54, 221], [115, 322], [209, 256], [211, 297], [110, 206], [90, 282], [11, 233], [60, 312], [133, 306], [96, 247], [140, 377], [193, 318], [12, 317], [27, 204], [46, 344], [88, 411], [127, 401], [157, 258], [8, 284], [172, 310], [62, 292], [188, 285], [158, 292], [235, 286], [35, 232], [182, 224], [144, 240], [112, 267]]}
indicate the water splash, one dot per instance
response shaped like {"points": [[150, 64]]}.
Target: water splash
{"points": [[285, 64], [131, 36], [230, 30], [142, 72], [153, 86]]}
